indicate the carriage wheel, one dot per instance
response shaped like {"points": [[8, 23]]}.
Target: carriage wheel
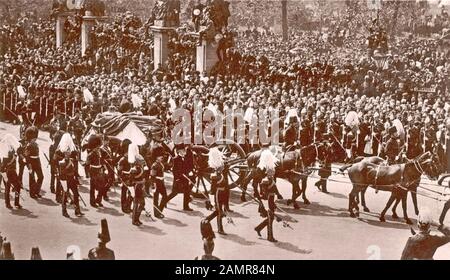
{"points": [[236, 159]]}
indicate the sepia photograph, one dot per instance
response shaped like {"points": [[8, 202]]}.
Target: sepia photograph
{"points": [[235, 130]]}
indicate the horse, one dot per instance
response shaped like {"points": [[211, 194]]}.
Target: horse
{"points": [[397, 179], [292, 166], [413, 188]]}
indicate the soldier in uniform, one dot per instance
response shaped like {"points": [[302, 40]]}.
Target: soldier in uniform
{"points": [[76, 128], [423, 245], [138, 175], [67, 174], [182, 181], [108, 161], [219, 188], [55, 157], [33, 161], [96, 170], [363, 135], [157, 178], [8, 168], [124, 169], [291, 134], [350, 143], [306, 138], [325, 169], [414, 141], [101, 252], [377, 133], [268, 192], [392, 148]]}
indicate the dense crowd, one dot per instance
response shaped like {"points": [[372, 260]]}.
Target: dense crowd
{"points": [[260, 71]]}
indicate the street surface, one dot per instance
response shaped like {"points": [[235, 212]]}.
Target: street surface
{"points": [[324, 229]]}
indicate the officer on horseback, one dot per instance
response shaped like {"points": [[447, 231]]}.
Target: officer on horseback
{"points": [[291, 134]]}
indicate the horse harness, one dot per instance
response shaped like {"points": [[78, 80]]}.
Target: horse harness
{"points": [[402, 178]]}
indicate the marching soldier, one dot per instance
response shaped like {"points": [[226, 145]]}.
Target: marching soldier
{"points": [[55, 157], [101, 252], [67, 174], [414, 140], [107, 156], [219, 188], [325, 170], [96, 170], [377, 133], [182, 182], [363, 135], [268, 192], [124, 168], [392, 148], [350, 143], [138, 176], [33, 161], [8, 169], [157, 177], [291, 134], [76, 128], [306, 138]]}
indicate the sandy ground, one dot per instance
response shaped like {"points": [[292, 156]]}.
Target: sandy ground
{"points": [[324, 229]]}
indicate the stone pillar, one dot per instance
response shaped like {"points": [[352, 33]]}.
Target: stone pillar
{"points": [[60, 34], [160, 42], [87, 26], [206, 56]]}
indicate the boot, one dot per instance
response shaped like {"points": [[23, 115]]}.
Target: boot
{"points": [[78, 212], [220, 226], [64, 213], [158, 214], [17, 201], [7, 201]]}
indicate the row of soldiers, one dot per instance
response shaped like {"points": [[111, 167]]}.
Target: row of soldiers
{"points": [[371, 136]]}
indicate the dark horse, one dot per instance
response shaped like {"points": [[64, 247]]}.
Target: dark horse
{"points": [[397, 179], [292, 166]]}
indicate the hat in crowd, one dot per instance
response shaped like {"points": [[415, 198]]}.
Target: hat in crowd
{"points": [[103, 235], [392, 130], [206, 230], [6, 251], [35, 254]]}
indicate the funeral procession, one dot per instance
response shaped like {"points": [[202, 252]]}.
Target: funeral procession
{"points": [[224, 130]]}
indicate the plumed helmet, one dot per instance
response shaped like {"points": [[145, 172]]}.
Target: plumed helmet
{"points": [[66, 143], [215, 158]]}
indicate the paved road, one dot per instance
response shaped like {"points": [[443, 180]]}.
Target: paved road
{"points": [[324, 229]]}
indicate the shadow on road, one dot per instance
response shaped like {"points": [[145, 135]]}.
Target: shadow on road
{"points": [[110, 211], [47, 202], [173, 222], [399, 224], [151, 230], [235, 214], [189, 213], [82, 221], [292, 248], [237, 239], [23, 213], [316, 209], [337, 195]]}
